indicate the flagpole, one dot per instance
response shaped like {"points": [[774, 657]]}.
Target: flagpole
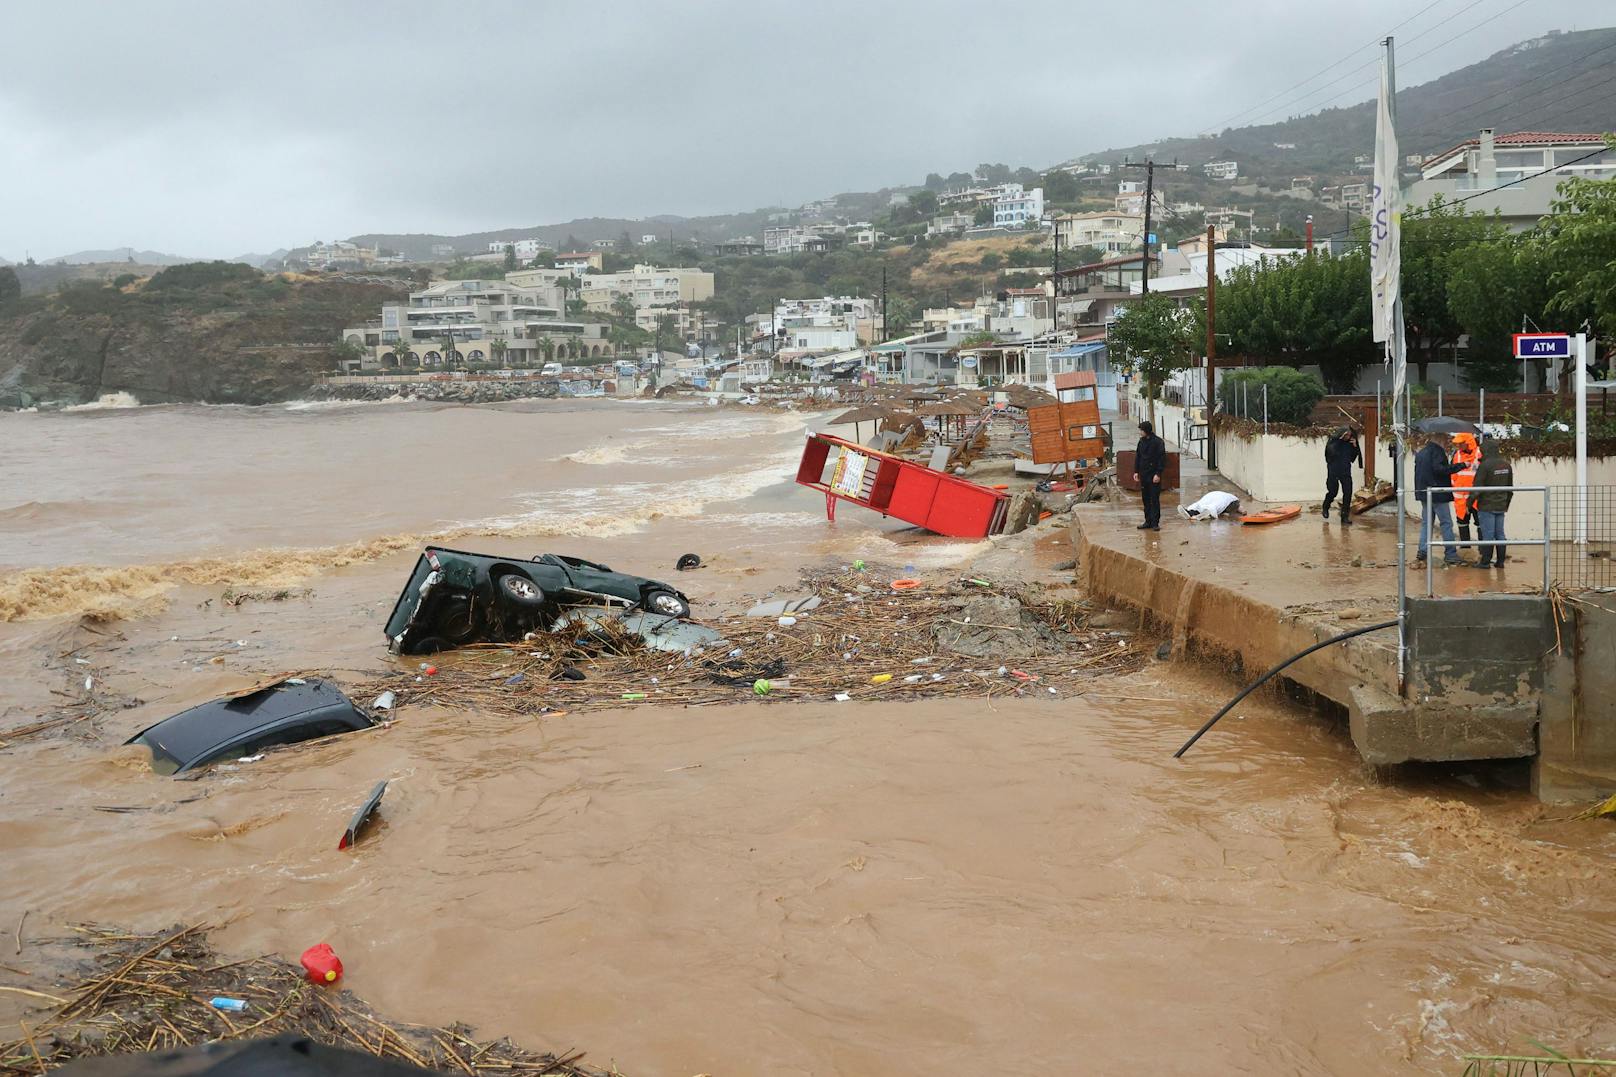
{"points": [[1401, 410]]}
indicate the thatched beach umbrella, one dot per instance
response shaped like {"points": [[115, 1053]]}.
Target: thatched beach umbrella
{"points": [[867, 413]]}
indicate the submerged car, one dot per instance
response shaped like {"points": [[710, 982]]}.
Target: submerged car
{"points": [[454, 597], [283, 713]]}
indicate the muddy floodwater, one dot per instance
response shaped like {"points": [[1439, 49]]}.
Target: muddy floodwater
{"points": [[1030, 885]]}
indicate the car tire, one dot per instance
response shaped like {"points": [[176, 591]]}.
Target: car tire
{"points": [[518, 590], [456, 622], [666, 603], [429, 645]]}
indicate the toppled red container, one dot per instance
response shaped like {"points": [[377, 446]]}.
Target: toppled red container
{"points": [[321, 964], [893, 486]]}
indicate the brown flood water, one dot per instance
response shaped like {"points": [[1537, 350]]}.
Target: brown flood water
{"points": [[764, 888]]}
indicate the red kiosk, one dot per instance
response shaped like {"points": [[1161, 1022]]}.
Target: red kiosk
{"points": [[897, 487]]}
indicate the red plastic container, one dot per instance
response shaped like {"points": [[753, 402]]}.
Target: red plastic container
{"points": [[321, 964]]}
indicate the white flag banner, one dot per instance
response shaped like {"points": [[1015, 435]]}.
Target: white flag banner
{"points": [[1385, 225]]}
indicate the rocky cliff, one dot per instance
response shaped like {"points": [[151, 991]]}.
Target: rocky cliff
{"points": [[227, 335]]}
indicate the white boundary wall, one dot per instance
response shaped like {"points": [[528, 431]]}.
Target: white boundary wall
{"points": [[1274, 467]]}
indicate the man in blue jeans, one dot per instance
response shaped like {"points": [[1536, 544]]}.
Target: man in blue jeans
{"points": [[1431, 468], [1493, 472]]}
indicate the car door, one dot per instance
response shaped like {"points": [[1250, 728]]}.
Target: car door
{"points": [[594, 579]]}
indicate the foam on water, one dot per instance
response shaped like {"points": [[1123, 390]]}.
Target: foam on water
{"points": [[107, 401]]}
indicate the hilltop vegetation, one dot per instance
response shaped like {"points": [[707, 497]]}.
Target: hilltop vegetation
{"points": [[216, 332]]}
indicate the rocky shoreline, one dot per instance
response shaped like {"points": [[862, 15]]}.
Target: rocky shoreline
{"points": [[452, 392]]}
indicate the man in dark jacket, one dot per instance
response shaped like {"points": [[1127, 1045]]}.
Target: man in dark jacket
{"points": [[1340, 453], [1149, 461], [1431, 468], [1491, 503]]}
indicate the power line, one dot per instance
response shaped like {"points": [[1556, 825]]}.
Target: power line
{"points": [[1365, 84], [1349, 56], [1557, 74]]}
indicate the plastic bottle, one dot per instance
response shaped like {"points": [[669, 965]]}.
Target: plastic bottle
{"points": [[632, 695], [233, 1005], [881, 678], [321, 964]]}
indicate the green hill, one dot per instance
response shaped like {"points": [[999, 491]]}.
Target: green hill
{"points": [[1561, 82]]}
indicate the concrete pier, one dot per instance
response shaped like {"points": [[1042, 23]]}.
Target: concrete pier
{"points": [[1490, 676]]}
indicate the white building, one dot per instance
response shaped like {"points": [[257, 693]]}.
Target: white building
{"points": [[978, 195], [949, 224], [646, 286], [340, 254], [648, 238], [1221, 170], [1109, 233], [829, 323], [1018, 208], [466, 322], [525, 249], [1514, 174]]}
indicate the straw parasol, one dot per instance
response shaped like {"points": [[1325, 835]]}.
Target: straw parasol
{"points": [[944, 410], [867, 413]]}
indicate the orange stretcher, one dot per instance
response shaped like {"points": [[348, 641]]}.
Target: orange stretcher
{"points": [[1272, 516]]}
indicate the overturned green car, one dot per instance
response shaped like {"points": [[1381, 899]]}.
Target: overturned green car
{"points": [[454, 598]]}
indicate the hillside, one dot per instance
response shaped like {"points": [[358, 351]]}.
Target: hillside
{"points": [[119, 254], [1560, 82], [213, 332], [1557, 82]]}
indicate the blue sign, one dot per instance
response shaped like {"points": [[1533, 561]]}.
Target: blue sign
{"points": [[1152, 238], [1542, 345]]}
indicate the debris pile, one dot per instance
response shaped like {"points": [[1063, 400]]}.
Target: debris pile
{"points": [[153, 992], [860, 640]]}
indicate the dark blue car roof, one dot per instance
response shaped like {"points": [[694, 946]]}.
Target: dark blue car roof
{"points": [[192, 734]]}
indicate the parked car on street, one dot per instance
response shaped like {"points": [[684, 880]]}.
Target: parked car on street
{"points": [[454, 597]]}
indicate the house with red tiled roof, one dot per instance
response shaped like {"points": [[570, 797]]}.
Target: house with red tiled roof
{"points": [[1515, 173]]}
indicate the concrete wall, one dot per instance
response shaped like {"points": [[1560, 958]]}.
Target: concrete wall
{"points": [[1274, 468], [1577, 726]]}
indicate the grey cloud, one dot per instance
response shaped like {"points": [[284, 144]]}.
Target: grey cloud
{"points": [[215, 128]]}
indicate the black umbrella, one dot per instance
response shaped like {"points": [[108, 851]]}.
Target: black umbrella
{"points": [[1445, 424]]}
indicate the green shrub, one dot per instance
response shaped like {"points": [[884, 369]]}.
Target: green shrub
{"points": [[202, 274], [1292, 395]]}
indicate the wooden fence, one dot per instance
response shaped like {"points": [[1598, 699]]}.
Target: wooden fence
{"points": [[1528, 408]]}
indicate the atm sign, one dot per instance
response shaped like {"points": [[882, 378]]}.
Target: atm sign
{"points": [[1542, 346]]}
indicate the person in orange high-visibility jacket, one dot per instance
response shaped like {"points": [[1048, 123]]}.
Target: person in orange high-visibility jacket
{"points": [[1466, 455]]}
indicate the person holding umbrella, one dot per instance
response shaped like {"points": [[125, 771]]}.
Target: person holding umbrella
{"points": [[1432, 469]]}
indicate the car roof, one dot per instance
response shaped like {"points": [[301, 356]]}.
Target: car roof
{"points": [[192, 734]]}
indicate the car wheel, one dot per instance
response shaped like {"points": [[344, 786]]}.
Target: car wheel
{"points": [[455, 622], [521, 591], [429, 645], [667, 603]]}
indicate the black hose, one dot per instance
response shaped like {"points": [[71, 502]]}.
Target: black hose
{"points": [[1254, 685]]}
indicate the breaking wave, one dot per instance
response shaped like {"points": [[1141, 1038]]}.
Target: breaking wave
{"points": [[107, 401], [338, 405], [111, 592], [603, 454]]}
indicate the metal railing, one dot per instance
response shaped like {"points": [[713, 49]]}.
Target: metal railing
{"points": [[1428, 526], [1584, 532]]}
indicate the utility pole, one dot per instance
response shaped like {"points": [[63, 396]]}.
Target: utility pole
{"points": [[883, 304], [1054, 283], [1211, 345], [1150, 188]]}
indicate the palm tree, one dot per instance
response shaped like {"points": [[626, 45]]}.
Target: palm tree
{"points": [[496, 350]]}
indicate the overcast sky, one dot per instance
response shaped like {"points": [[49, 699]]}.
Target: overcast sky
{"points": [[213, 129]]}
